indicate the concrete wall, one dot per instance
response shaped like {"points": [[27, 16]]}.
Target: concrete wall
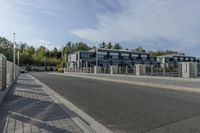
{"points": [[6, 75], [189, 70], [140, 69], [2, 72], [97, 69], [9, 66]]}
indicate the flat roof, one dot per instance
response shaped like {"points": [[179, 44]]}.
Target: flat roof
{"points": [[121, 50], [173, 55], [113, 50]]}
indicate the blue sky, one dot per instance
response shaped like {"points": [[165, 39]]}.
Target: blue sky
{"points": [[152, 24]]}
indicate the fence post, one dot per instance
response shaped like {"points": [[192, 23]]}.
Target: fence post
{"points": [[164, 69], [119, 70], [126, 71], [111, 70], [189, 70], [152, 70], [95, 70], [140, 69]]}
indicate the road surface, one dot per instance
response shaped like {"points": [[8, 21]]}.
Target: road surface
{"points": [[125, 107]]}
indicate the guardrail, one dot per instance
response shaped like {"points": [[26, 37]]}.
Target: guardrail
{"points": [[124, 71], [7, 75]]}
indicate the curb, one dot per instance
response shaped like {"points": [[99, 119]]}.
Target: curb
{"points": [[147, 76], [83, 120], [161, 86]]}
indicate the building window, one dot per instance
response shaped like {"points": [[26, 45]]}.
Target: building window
{"points": [[175, 58], [167, 59], [125, 57], [144, 57], [181, 59], [115, 57], [135, 55], [85, 56], [124, 54], [103, 53], [192, 59], [101, 56]]}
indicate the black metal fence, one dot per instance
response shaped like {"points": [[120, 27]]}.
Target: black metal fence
{"points": [[150, 70]]}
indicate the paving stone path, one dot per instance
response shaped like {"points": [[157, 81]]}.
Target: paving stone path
{"points": [[28, 109]]}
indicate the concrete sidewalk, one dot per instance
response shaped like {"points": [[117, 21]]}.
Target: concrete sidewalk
{"points": [[28, 108]]}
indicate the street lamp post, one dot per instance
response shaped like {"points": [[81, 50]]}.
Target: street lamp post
{"points": [[96, 57], [65, 60], [1, 45], [96, 67], [14, 54], [97, 54], [18, 58]]}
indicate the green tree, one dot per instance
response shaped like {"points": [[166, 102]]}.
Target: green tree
{"points": [[117, 46], [102, 45], [109, 45], [160, 53], [6, 48], [139, 49]]}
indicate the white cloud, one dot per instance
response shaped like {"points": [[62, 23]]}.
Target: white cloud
{"points": [[49, 45], [172, 22], [24, 18], [36, 6]]}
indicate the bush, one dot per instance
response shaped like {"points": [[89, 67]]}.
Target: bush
{"points": [[61, 70]]}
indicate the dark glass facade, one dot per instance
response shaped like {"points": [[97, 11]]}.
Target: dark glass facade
{"points": [[108, 57]]}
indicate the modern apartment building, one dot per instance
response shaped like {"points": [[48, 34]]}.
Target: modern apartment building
{"points": [[172, 60], [108, 57]]}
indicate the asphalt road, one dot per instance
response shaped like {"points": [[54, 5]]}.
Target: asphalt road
{"points": [[124, 107]]}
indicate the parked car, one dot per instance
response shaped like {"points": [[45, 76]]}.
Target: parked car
{"points": [[22, 69]]}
